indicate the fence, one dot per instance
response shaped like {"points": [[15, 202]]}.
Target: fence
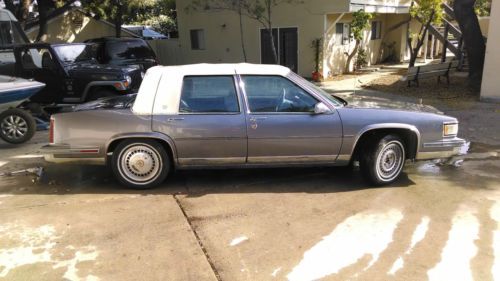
{"points": [[167, 51]]}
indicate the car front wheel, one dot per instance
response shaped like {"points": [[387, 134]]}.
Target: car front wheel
{"points": [[140, 164], [382, 162]]}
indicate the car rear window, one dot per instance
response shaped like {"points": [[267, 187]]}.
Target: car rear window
{"points": [[129, 49]]}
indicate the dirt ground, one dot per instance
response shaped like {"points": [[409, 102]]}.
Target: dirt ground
{"points": [[454, 93]]}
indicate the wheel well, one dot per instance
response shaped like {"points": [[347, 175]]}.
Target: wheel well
{"points": [[95, 89], [112, 146], [410, 140]]}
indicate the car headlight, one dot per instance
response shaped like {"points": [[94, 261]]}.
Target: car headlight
{"points": [[128, 79], [450, 129]]}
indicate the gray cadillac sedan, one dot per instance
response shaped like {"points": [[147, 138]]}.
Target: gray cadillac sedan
{"points": [[241, 116]]}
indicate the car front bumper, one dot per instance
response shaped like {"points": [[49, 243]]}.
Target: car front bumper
{"points": [[445, 148]]}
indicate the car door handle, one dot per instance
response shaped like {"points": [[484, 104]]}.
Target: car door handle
{"points": [[253, 119], [175, 119]]}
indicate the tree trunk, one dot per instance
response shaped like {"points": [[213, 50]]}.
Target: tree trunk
{"points": [[273, 47], [421, 38], [241, 32], [414, 53], [24, 12], [270, 30], [347, 68], [43, 11], [472, 38], [119, 19]]}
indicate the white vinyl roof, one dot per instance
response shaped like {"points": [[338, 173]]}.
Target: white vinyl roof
{"points": [[6, 15], [165, 83], [225, 69]]}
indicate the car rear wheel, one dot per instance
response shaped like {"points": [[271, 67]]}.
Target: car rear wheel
{"points": [[140, 164], [16, 126], [382, 161]]}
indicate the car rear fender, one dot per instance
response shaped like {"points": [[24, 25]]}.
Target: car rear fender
{"points": [[165, 140]]}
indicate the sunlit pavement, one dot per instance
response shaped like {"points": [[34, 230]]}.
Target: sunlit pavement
{"points": [[438, 222]]}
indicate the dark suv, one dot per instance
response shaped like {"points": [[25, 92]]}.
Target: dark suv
{"points": [[71, 73], [124, 51]]}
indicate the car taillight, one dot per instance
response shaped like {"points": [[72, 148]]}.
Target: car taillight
{"points": [[51, 130]]}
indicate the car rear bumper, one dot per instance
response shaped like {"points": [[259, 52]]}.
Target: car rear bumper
{"points": [[445, 148], [64, 153]]}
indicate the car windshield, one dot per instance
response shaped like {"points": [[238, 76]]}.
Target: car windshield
{"points": [[75, 53], [129, 49], [303, 82]]}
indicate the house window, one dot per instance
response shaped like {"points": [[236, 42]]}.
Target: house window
{"points": [[376, 30], [342, 33], [197, 39]]}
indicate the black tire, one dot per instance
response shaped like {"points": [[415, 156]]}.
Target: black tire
{"points": [[100, 93], [140, 164], [382, 160], [16, 126]]}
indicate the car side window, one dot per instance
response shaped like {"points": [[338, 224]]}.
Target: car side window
{"points": [[208, 94], [31, 59], [276, 94]]}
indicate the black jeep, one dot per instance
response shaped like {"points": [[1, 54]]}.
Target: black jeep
{"points": [[71, 73], [124, 51]]}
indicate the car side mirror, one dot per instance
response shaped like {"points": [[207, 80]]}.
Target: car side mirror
{"points": [[321, 108]]}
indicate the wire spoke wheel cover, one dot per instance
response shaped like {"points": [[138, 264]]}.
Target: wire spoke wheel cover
{"points": [[140, 163], [390, 160]]}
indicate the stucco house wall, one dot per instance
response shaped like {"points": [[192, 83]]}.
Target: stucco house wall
{"points": [[314, 20], [222, 34], [490, 89]]}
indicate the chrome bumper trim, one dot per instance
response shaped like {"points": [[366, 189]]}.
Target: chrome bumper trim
{"points": [[66, 160], [438, 154], [455, 142], [67, 149], [64, 153], [447, 148]]}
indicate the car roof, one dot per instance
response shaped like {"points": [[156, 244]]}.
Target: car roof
{"points": [[169, 80], [223, 69]]}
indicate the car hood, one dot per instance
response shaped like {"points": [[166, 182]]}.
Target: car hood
{"points": [[383, 103], [101, 68], [116, 102]]}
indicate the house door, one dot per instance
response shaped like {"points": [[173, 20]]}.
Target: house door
{"points": [[285, 42]]}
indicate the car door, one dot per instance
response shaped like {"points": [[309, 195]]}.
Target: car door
{"points": [[282, 125], [210, 127], [35, 66]]}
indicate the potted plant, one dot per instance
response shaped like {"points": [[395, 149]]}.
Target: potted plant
{"points": [[316, 45]]}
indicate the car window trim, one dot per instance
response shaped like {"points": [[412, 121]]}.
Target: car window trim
{"points": [[247, 104], [213, 113]]}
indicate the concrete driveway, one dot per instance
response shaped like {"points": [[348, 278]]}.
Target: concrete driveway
{"points": [[76, 223]]}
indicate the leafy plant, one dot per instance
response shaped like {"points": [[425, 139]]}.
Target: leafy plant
{"points": [[427, 12], [360, 22], [361, 59]]}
